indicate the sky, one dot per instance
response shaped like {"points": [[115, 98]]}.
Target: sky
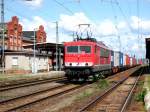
{"points": [[121, 24]]}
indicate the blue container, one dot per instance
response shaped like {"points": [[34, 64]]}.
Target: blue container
{"points": [[112, 59], [120, 58]]}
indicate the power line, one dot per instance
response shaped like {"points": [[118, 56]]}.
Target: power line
{"points": [[62, 5], [117, 3], [116, 26], [124, 16]]}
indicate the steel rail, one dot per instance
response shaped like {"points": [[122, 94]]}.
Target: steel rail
{"points": [[30, 94], [29, 84], [46, 97], [124, 106], [102, 96]]}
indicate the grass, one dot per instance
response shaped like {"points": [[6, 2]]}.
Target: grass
{"points": [[4, 97], [86, 93], [144, 85], [5, 77], [148, 81], [96, 87], [102, 84], [140, 96]]}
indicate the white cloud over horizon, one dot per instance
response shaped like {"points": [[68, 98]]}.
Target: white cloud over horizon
{"points": [[34, 3], [103, 30], [144, 25]]}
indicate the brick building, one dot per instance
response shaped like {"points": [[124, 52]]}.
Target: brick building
{"points": [[14, 39]]}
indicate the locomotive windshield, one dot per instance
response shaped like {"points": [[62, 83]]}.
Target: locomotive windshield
{"points": [[72, 49], [85, 49], [79, 49]]}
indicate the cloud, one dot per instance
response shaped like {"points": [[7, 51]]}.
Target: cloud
{"points": [[35, 22], [144, 25], [103, 31], [71, 22], [34, 3], [106, 28]]}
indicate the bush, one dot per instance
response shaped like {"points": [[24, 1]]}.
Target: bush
{"points": [[140, 96]]}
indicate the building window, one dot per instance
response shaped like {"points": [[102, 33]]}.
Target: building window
{"points": [[15, 61]]}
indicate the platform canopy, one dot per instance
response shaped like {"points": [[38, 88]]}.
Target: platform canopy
{"points": [[45, 46]]}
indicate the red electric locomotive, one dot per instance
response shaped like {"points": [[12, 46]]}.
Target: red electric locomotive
{"points": [[85, 57]]}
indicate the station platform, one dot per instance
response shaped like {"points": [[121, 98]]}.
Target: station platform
{"points": [[147, 96], [11, 78]]}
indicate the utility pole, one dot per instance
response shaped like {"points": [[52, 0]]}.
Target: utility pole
{"points": [[34, 51], [3, 38], [57, 41], [59, 59]]}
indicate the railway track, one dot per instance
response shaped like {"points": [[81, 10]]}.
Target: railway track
{"points": [[115, 98], [23, 101], [16, 103], [26, 84]]}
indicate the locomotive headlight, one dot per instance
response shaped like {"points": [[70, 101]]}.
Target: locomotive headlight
{"points": [[86, 64], [70, 64]]}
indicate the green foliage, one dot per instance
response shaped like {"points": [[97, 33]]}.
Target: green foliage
{"points": [[96, 77], [85, 94], [140, 96], [102, 84]]}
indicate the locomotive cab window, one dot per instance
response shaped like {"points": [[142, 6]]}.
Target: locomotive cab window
{"points": [[85, 49], [72, 49]]}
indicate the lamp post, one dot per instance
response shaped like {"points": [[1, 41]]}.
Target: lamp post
{"points": [[34, 61], [3, 37], [57, 41]]}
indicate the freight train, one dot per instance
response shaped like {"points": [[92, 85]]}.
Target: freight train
{"points": [[87, 57]]}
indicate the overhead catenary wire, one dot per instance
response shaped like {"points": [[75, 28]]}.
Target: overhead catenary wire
{"points": [[116, 26], [62, 5], [121, 11], [139, 26], [118, 4]]}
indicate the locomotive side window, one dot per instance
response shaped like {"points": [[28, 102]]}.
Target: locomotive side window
{"points": [[104, 53], [86, 49], [72, 49]]}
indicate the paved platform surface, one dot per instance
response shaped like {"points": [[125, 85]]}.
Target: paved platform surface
{"points": [[11, 78], [147, 96]]}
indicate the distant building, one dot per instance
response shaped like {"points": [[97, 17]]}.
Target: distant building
{"points": [[14, 40], [40, 35], [15, 37], [24, 62]]}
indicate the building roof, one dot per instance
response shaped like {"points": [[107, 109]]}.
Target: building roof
{"points": [[45, 46], [25, 53], [27, 39], [28, 34]]}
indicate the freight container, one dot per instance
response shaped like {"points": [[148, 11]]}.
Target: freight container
{"points": [[124, 59], [112, 58], [131, 62], [118, 58], [127, 60]]}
